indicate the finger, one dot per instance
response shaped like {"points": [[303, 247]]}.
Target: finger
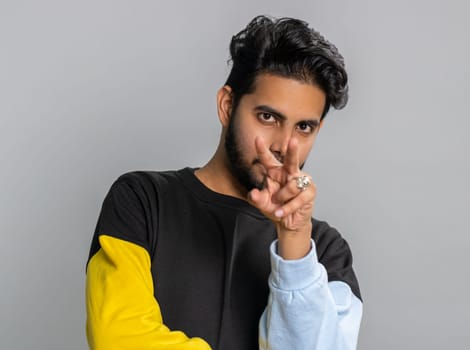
{"points": [[265, 156], [272, 185], [303, 201], [291, 160], [289, 191], [256, 198], [262, 201]]}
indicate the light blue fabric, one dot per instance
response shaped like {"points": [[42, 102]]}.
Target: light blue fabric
{"points": [[305, 311]]}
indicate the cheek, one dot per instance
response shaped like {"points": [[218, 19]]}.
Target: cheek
{"points": [[304, 151], [243, 142], [246, 140]]}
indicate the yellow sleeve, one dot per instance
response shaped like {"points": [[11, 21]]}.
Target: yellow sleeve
{"points": [[122, 312]]}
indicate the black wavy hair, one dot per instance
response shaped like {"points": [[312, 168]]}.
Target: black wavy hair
{"points": [[286, 47]]}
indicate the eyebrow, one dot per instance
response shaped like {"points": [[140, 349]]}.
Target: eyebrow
{"points": [[268, 109]]}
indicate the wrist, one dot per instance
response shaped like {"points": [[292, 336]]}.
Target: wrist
{"points": [[294, 244]]}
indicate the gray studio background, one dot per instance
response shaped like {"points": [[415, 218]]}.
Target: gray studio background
{"points": [[92, 89]]}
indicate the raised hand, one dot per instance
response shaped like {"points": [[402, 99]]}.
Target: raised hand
{"points": [[284, 200]]}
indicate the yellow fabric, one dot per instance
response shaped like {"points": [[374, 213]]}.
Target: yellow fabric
{"points": [[122, 312]]}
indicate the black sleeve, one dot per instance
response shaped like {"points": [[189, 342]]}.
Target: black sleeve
{"points": [[128, 212], [334, 253]]}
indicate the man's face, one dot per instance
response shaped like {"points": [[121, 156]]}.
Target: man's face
{"points": [[278, 109]]}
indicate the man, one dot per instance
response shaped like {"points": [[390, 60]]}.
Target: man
{"points": [[227, 256]]}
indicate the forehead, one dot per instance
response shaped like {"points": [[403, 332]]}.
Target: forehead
{"points": [[289, 96]]}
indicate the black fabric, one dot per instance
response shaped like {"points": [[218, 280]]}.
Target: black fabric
{"points": [[210, 253]]}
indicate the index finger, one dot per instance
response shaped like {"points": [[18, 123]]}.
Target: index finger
{"points": [[265, 156]]}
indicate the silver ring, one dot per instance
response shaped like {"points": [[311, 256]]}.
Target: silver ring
{"points": [[302, 182]]}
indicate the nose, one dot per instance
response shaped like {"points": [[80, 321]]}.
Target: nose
{"points": [[278, 156], [279, 145]]}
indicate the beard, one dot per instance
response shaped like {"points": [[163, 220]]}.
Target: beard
{"points": [[241, 169]]}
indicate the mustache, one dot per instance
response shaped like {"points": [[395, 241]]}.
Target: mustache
{"points": [[280, 159]]}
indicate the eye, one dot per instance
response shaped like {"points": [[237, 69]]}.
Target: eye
{"points": [[305, 127], [266, 117]]}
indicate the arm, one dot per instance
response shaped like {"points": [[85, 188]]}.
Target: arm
{"points": [[122, 312], [305, 311]]}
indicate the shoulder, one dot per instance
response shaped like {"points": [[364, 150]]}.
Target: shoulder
{"points": [[144, 177], [325, 235], [144, 191], [144, 181]]}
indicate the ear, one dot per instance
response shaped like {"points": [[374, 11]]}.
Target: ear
{"points": [[224, 104]]}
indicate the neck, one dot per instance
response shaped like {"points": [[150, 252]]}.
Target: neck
{"points": [[217, 176]]}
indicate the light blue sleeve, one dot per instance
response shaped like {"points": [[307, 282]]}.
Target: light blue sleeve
{"points": [[305, 311]]}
